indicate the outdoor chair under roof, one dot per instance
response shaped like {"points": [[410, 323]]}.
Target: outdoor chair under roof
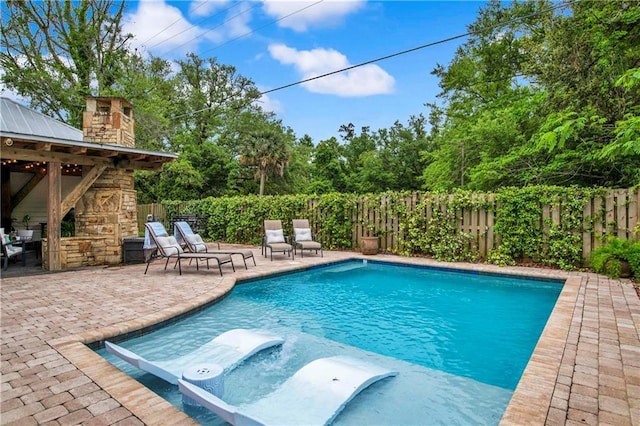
{"points": [[184, 234], [303, 238], [8, 249], [166, 246], [275, 240]]}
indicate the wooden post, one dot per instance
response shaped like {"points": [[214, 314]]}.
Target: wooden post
{"points": [[53, 215], [6, 199]]}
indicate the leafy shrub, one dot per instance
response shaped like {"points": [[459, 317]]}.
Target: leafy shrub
{"points": [[607, 259], [500, 257]]}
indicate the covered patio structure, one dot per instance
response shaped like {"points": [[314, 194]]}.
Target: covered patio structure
{"points": [[50, 168]]}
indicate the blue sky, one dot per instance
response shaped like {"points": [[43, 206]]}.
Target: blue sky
{"points": [[278, 42], [312, 38]]}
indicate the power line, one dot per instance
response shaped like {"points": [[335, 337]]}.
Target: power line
{"points": [[263, 26], [208, 31], [403, 52], [170, 25]]}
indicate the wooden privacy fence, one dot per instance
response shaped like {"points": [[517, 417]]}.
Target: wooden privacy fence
{"points": [[615, 212], [157, 211], [388, 219]]}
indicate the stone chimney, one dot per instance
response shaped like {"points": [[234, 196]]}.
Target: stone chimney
{"points": [[109, 121], [106, 213]]}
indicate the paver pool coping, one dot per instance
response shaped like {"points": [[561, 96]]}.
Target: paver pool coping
{"points": [[585, 368], [534, 389]]}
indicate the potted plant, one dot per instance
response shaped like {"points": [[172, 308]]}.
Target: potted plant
{"points": [[369, 245], [26, 219], [27, 233], [617, 259]]}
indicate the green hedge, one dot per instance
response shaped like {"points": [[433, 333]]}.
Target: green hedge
{"points": [[522, 231]]}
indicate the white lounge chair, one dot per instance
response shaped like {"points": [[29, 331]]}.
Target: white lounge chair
{"points": [[227, 350], [166, 246], [314, 395], [184, 234]]}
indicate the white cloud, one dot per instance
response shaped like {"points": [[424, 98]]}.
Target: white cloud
{"points": [[366, 80], [161, 28], [327, 13], [269, 104], [205, 7], [238, 20]]}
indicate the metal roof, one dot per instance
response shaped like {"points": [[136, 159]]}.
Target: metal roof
{"points": [[20, 120], [30, 129]]}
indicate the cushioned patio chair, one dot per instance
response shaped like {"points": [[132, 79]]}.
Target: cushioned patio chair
{"points": [[303, 238], [166, 246], [9, 251], [275, 240], [194, 243]]}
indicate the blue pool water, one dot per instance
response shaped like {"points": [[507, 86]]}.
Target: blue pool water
{"points": [[459, 341]]}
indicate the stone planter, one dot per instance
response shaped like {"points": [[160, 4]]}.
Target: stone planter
{"points": [[25, 234], [369, 245]]}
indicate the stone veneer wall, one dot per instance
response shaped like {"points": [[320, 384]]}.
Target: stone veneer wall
{"points": [[77, 252], [106, 213], [109, 127]]}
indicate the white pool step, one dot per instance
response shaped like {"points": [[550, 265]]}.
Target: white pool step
{"points": [[314, 395], [227, 350]]}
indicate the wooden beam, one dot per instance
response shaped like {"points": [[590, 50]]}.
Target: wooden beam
{"points": [[27, 188], [139, 165], [53, 216], [60, 157], [72, 198], [79, 150], [43, 147]]}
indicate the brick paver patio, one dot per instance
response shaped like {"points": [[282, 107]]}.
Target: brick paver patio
{"points": [[585, 369]]}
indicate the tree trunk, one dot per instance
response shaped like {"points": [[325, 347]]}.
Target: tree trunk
{"points": [[263, 175]]}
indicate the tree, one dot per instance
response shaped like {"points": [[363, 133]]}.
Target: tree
{"points": [[57, 53], [547, 98], [179, 180], [329, 170], [267, 150], [587, 66], [211, 98], [211, 111], [148, 84], [399, 148], [299, 172]]}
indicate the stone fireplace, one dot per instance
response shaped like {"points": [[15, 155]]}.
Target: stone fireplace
{"points": [[106, 213]]}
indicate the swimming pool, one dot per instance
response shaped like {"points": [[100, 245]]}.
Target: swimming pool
{"points": [[459, 340]]}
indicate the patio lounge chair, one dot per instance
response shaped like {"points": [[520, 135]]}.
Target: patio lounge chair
{"points": [[314, 395], [303, 239], [156, 237], [184, 234], [227, 350], [274, 239]]}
